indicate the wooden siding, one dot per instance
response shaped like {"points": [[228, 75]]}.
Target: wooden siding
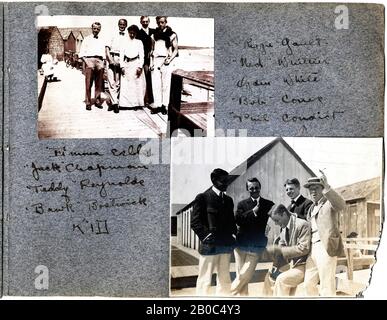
{"points": [[272, 169], [69, 44]]}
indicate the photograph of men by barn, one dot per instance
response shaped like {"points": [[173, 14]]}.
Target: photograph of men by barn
{"points": [[353, 168], [125, 76]]}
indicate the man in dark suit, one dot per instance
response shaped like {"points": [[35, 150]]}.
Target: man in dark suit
{"points": [[144, 35], [251, 217], [213, 222], [299, 204], [290, 250]]}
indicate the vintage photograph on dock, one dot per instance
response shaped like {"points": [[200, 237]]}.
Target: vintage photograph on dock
{"points": [[275, 217], [125, 77]]}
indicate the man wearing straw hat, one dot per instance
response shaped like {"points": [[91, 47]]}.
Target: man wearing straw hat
{"points": [[327, 244]]}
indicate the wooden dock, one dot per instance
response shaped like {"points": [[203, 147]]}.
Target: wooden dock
{"points": [[63, 113]]}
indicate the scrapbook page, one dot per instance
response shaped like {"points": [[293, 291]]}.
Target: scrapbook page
{"points": [[123, 122]]}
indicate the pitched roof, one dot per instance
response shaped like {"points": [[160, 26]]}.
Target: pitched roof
{"points": [[359, 190], [65, 32], [259, 154], [84, 31], [234, 174], [176, 207]]}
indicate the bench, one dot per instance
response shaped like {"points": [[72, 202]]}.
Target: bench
{"points": [[359, 258]]}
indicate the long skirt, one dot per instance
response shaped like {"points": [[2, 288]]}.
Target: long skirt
{"points": [[132, 89]]}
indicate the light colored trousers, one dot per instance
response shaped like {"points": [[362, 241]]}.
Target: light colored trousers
{"points": [[320, 267], [113, 79], [161, 82], [286, 282], [245, 263], [219, 263]]}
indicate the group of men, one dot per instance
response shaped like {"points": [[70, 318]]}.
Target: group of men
{"points": [[305, 250], [160, 48]]}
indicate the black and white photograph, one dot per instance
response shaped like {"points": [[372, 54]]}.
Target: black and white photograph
{"points": [[274, 217], [125, 77]]}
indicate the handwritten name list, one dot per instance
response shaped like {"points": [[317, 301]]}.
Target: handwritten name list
{"points": [[285, 74], [86, 186]]}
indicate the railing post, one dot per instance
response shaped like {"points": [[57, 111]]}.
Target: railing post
{"points": [[349, 264], [175, 101]]}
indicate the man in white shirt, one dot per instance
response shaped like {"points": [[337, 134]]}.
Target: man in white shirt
{"points": [[165, 49], [92, 53], [113, 50]]}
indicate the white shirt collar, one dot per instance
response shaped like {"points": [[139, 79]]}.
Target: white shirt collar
{"points": [[296, 198], [255, 199], [288, 225], [217, 191], [146, 30]]}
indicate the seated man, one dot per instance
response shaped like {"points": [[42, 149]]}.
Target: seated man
{"points": [[289, 252]]}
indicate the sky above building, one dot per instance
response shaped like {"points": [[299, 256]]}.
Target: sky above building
{"points": [[343, 160], [198, 32]]}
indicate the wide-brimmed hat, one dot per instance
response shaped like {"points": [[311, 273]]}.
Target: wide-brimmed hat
{"points": [[313, 181]]}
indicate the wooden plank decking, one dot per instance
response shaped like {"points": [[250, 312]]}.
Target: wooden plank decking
{"points": [[63, 113]]}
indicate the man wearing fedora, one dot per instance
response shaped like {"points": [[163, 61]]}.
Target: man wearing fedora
{"points": [[327, 244]]}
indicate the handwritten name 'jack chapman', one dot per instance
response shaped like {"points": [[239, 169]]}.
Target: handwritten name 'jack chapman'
{"points": [[55, 167]]}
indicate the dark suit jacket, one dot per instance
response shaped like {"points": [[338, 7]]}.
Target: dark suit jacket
{"points": [[251, 229], [301, 207], [211, 214], [147, 42]]}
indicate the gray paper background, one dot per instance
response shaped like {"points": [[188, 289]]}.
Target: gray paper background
{"points": [[134, 259], [1, 156]]}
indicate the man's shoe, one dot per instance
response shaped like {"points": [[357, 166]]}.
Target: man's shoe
{"points": [[116, 108], [163, 109], [110, 108], [88, 107], [155, 110]]}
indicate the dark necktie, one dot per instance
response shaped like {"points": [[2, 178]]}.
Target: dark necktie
{"points": [[121, 33], [95, 37], [293, 205], [287, 236], [255, 202]]}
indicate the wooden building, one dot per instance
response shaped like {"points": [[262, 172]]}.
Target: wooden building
{"points": [[50, 38], [60, 40], [272, 165], [68, 39], [362, 214]]}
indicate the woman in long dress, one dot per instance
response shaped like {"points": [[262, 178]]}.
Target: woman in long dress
{"points": [[133, 83]]}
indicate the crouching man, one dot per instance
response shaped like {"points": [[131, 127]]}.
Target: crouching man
{"points": [[289, 253]]}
